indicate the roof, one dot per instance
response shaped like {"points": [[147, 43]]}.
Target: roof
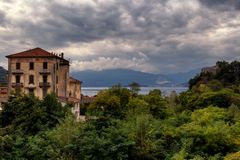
{"points": [[73, 80], [87, 99], [36, 52], [69, 99]]}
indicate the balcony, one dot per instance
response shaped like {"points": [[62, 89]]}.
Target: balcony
{"points": [[31, 85], [17, 85], [17, 71], [44, 84], [44, 71]]}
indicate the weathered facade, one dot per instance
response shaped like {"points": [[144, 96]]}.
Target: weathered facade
{"points": [[39, 72], [212, 69]]}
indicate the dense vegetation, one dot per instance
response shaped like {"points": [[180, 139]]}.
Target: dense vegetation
{"points": [[201, 123]]}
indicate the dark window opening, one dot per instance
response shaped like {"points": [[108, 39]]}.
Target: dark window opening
{"points": [[57, 66], [44, 78], [45, 65], [57, 79], [17, 78], [31, 79], [18, 65], [31, 66]]}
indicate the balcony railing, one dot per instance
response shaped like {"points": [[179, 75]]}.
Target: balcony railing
{"points": [[17, 71], [44, 71], [31, 85], [44, 84], [17, 85]]}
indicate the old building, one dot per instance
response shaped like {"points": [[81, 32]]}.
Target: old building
{"points": [[39, 72], [212, 69]]}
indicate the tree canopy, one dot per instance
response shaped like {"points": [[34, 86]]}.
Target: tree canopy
{"points": [[201, 123]]}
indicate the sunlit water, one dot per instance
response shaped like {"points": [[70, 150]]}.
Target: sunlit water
{"points": [[91, 91]]}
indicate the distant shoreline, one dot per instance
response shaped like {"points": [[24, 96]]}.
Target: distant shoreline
{"points": [[91, 91]]}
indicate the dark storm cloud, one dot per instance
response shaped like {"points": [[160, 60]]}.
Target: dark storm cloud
{"points": [[2, 17], [78, 23], [153, 35], [73, 24], [222, 4]]}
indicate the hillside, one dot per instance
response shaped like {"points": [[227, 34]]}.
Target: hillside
{"points": [[3, 75], [111, 77], [200, 123], [182, 77], [125, 77]]}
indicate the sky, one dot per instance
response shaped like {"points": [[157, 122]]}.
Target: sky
{"points": [[155, 36]]}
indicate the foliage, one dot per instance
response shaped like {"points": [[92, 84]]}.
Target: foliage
{"points": [[226, 73], [156, 104], [135, 88], [137, 106], [29, 115], [233, 156], [201, 98], [106, 104], [201, 123], [210, 132]]}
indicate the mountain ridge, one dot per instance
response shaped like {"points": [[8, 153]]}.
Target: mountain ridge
{"points": [[109, 77], [3, 75]]}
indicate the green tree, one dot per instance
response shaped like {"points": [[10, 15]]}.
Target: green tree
{"points": [[156, 104], [106, 105], [123, 93], [29, 115], [209, 131], [155, 92], [135, 88], [111, 102]]}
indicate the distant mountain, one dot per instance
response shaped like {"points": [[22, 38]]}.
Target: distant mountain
{"points": [[182, 77], [3, 75], [111, 77], [114, 76]]}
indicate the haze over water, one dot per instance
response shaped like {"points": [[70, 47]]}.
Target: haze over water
{"points": [[91, 91]]}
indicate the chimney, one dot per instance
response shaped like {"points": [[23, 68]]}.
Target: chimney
{"points": [[62, 55]]}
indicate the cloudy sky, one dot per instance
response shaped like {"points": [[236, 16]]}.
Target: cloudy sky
{"points": [[158, 36]]}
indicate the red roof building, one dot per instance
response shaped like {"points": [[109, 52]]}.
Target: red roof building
{"points": [[40, 72]]}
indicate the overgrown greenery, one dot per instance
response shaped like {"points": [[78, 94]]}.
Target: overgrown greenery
{"points": [[201, 123]]}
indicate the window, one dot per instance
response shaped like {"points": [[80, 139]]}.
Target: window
{"points": [[17, 78], [57, 65], [57, 79], [31, 79], [45, 65], [31, 66], [44, 89], [44, 78], [18, 65]]}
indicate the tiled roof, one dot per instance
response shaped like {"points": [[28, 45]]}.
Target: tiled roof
{"points": [[36, 52], [73, 80], [87, 99]]}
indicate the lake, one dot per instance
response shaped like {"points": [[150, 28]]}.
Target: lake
{"points": [[91, 91]]}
